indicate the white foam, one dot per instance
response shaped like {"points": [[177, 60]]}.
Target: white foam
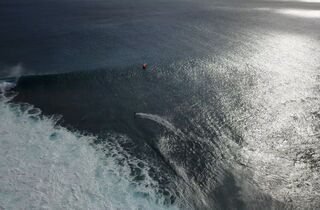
{"points": [[4, 86], [44, 166], [159, 120]]}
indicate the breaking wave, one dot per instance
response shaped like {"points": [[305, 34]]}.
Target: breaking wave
{"points": [[46, 166]]}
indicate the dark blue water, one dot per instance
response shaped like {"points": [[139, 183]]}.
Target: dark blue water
{"points": [[226, 115]]}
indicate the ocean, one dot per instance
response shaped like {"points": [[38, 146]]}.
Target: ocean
{"points": [[226, 115]]}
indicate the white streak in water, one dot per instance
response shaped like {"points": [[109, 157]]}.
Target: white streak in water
{"points": [[159, 120]]}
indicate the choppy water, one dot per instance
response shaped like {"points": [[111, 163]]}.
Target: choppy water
{"points": [[225, 117]]}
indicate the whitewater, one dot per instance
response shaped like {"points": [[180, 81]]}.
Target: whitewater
{"points": [[46, 166]]}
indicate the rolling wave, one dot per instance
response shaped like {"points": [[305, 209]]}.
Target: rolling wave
{"points": [[236, 144], [43, 165]]}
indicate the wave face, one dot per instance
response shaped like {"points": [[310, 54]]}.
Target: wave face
{"points": [[46, 166], [215, 134]]}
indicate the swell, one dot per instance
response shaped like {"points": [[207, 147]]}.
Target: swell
{"points": [[198, 163], [217, 107]]}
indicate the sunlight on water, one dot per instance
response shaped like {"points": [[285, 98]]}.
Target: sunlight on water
{"points": [[282, 138], [300, 13], [306, 1]]}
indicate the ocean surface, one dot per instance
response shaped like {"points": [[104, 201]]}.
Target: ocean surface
{"points": [[226, 116]]}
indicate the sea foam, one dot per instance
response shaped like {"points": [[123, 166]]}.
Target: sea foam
{"points": [[46, 166]]}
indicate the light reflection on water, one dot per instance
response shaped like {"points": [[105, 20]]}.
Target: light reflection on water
{"points": [[300, 13], [283, 147], [263, 75]]}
